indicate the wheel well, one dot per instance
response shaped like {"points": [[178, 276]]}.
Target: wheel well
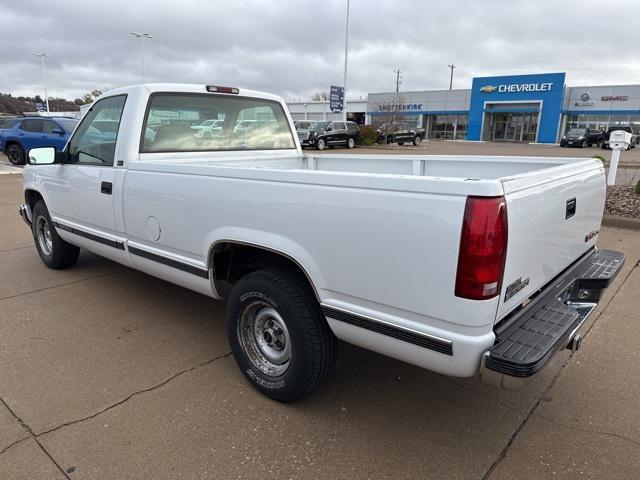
{"points": [[32, 197], [231, 261]]}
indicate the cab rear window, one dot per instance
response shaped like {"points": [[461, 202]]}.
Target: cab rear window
{"points": [[184, 122]]}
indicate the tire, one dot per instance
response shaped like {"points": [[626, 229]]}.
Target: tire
{"points": [[389, 140], [271, 306], [15, 154], [417, 140], [321, 144], [583, 144], [351, 143], [400, 143], [54, 251]]}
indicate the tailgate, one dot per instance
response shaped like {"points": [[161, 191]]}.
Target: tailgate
{"points": [[554, 217]]}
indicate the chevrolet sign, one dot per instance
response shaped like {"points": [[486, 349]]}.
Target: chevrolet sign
{"points": [[518, 87]]}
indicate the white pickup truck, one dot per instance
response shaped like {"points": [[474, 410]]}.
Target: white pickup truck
{"points": [[461, 265]]}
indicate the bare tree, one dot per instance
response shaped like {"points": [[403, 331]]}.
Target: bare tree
{"points": [[320, 97], [389, 113]]}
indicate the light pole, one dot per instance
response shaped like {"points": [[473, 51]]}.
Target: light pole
{"points": [[346, 56], [452, 66], [142, 36], [44, 77]]}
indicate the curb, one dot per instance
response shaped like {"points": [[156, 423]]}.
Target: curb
{"points": [[620, 222]]}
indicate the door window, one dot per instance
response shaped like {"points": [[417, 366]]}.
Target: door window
{"points": [[33, 126], [48, 126], [94, 142]]}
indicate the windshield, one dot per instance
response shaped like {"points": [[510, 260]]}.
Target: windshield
{"points": [[577, 131], [319, 125]]}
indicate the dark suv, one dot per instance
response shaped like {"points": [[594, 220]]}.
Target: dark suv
{"points": [[326, 134], [581, 137], [400, 133]]}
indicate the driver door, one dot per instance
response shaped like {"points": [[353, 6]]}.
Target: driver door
{"points": [[82, 196]]}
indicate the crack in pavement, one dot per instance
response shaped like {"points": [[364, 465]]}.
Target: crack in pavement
{"points": [[13, 444], [586, 430], [62, 285], [31, 436], [532, 410], [134, 394], [16, 248]]}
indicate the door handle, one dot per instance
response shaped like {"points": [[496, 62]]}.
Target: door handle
{"points": [[106, 188], [571, 209]]}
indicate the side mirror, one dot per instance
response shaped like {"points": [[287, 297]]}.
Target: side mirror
{"points": [[42, 156], [59, 131]]}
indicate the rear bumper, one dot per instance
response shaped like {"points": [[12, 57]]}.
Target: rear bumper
{"points": [[528, 339]]}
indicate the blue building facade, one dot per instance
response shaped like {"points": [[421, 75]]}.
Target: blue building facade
{"points": [[516, 108], [535, 108]]}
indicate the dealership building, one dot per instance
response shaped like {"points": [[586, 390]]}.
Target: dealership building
{"points": [[518, 108]]}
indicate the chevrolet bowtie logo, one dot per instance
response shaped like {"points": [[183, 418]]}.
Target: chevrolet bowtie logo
{"points": [[488, 89]]}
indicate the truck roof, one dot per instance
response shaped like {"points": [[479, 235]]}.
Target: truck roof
{"points": [[188, 88]]}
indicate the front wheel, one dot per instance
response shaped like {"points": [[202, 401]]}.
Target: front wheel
{"points": [[278, 335], [54, 251], [417, 140], [15, 154], [321, 144], [351, 143]]}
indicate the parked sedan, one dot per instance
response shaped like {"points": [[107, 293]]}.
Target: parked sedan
{"points": [[32, 132], [581, 137]]}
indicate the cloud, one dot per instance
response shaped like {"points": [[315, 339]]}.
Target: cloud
{"points": [[296, 47]]}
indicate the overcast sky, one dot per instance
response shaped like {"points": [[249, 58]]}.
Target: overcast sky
{"points": [[296, 47]]}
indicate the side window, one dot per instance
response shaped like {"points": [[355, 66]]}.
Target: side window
{"points": [[33, 126], [352, 127], [94, 141], [48, 126]]}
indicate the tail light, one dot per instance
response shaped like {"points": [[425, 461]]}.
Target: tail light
{"points": [[483, 248]]}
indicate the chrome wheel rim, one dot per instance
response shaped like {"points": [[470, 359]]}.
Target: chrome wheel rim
{"points": [[265, 338], [44, 236]]}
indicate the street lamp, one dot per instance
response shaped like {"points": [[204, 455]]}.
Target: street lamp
{"points": [[44, 76], [346, 54], [142, 36]]}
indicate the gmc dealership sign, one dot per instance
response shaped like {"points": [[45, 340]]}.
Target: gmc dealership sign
{"points": [[518, 87]]}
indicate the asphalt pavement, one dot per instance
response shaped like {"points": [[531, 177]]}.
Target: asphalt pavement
{"points": [[108, 373]]}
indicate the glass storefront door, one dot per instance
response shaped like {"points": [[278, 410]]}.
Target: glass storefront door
{"points": [[510, 126]]}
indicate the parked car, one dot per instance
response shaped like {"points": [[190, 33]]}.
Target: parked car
{"points": [[626, 128], [400, 133], [326, 134], [581, 137], [32, 132], [399, 254], [209, 128]]}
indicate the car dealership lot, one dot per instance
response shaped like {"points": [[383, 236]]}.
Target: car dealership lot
{"points": [[108, 373]]}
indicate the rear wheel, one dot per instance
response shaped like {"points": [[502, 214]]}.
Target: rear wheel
{"points": [[351, 142], [15, 154], [278, 335], [54, 251], [417, 140], [321, 144]]}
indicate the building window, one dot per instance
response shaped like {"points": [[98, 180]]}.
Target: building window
{"points": [[447, 127]]}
